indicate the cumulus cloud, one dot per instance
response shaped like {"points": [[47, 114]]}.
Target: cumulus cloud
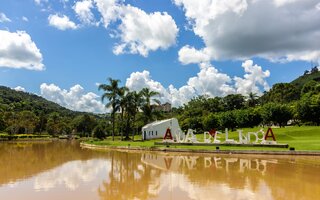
{"points": [[17, 50], [75, 98], [141, 32], [188, 55], [138, 32], [278, 30], [4, 18], [61, 22], [253, 78], [109, 10], [19, 88], [139, 80], [208, 81], [83, 11]]}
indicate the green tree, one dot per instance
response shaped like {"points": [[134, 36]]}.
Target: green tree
{"points": [[57, 125], [211, 121], [310, 87], [248, 117], [308, 109], [252, 99], [122, 103], [281, 93], [111, 92], [228, 120], [278, 114], [233, 102], [28, 121], [84, 124], [99, 132], [148, 95]]}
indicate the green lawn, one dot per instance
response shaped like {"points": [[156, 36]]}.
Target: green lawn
{"points": [[301, 138]]}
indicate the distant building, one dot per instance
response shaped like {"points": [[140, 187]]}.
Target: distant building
{"points": [[166, 107], [157, 129]]}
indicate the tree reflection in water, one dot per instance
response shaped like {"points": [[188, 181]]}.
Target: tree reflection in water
{"points": [[154, 176], [128, 178]]}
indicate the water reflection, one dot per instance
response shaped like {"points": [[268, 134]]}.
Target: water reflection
{"points": [[65, 171]]}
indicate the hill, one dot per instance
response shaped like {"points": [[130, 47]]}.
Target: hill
{"points": [[299, 82], [288, 92], [18, 101]]}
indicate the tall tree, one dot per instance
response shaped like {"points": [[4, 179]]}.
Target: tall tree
{"points": [[252, 99], [148, 98], [137, 105], [122, 103], [111, 92], [233, 102]]}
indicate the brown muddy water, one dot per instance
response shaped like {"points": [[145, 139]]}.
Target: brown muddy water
{"points": [[62, 170]]}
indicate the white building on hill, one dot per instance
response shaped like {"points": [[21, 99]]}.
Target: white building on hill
{"points": [[158, 129]]}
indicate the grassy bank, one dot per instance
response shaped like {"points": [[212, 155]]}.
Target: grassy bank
{"points": [[5, 136], [301, 138]]}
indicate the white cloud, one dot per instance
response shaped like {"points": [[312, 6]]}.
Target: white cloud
{"points": [[139, 80], [61, 22], [253, 78], [19, 88], [109, 9], [209, 81], [83, 11], [141, 32], [188, 55], [75, 99], [25, 19], [17, 50], [278, 30], [4, 18], [38, 2]]}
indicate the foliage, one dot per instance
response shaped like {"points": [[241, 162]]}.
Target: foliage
{"points": [[211, 121], [281, 93], [279, 114], [99, 132], [112, 92]]}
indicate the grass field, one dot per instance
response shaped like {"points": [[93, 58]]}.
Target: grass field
{"points": [[301, 138]]}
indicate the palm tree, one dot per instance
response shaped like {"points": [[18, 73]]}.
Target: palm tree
{"points": [[111, 92], [131, 101], [146, 108], [122, 102], [252, 99], [137, 102]]}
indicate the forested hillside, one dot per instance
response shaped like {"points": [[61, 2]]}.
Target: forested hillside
{"points": [[22, 112], [12, 100]]}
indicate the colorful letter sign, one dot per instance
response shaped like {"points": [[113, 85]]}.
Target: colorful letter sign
{"points": [[168, 135], [269, 131]]}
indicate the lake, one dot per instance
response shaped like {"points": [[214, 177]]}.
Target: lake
{"points": [[62, 170]]}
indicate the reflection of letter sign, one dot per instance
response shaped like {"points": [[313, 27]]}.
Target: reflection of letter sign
{"points": [[168, 162], [212, 132], [168, 134], [269, 131]]}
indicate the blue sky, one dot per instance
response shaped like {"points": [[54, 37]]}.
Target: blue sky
{"points": [[62, 49]]}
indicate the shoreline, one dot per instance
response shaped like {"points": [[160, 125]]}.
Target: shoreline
{"points": [[199, 151]]}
